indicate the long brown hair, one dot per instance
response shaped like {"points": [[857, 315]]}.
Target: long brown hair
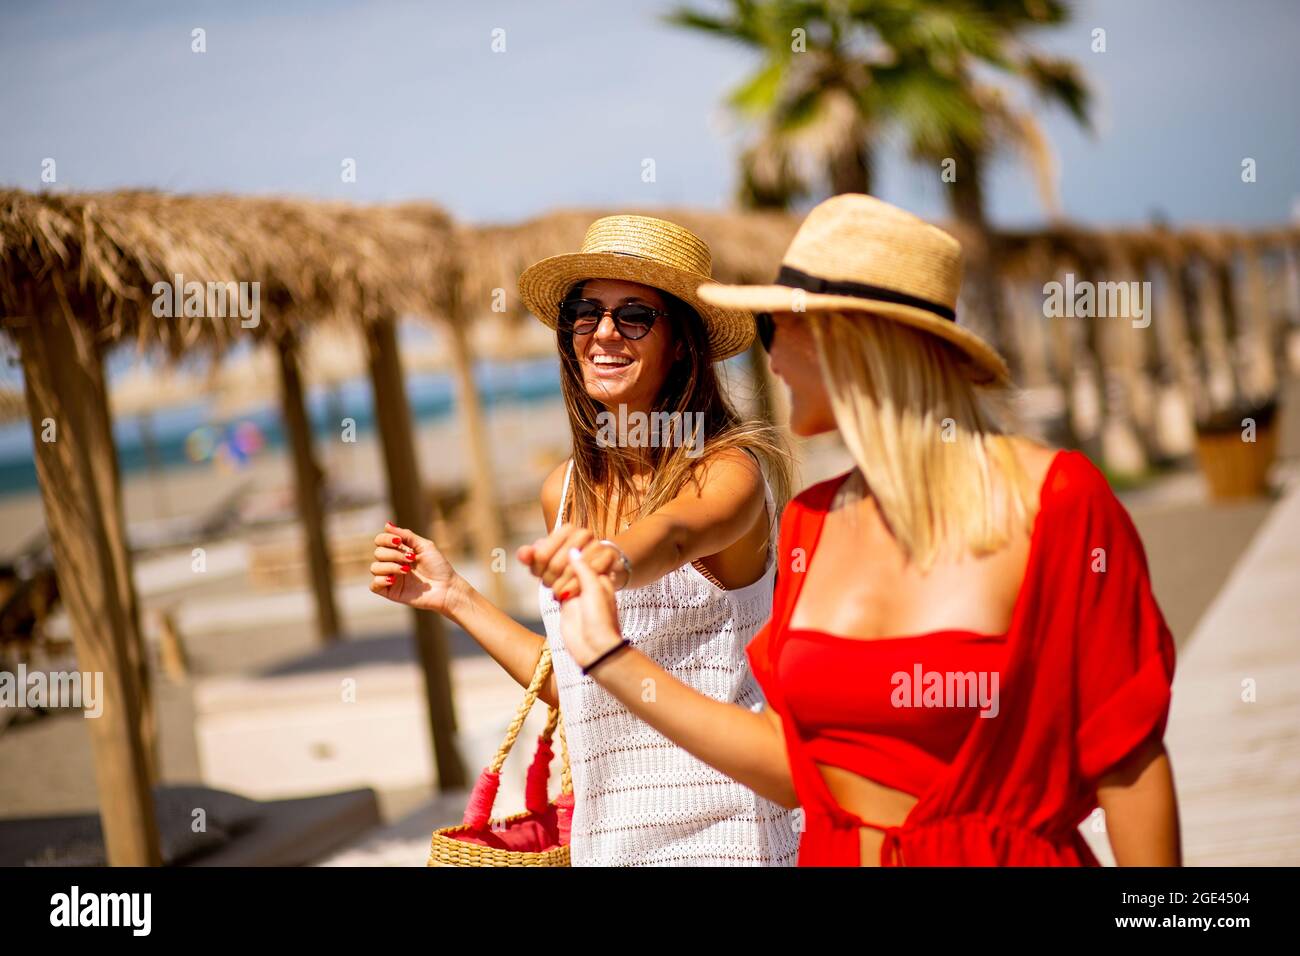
{"points": [[603, 471]]}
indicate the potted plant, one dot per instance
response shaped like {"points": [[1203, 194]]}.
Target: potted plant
{"points": [[1236, 447], [1236, 432]]}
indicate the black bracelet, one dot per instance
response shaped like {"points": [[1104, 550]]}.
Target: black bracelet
{"points": [[608, 654]]}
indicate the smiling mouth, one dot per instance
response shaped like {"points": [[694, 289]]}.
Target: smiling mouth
{"points": [[610, 361]]}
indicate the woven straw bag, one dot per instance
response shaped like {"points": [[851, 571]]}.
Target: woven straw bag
{"points": [[537, 837]]}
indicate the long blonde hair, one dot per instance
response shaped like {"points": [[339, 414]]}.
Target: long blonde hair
{"points": [[944, 474], [603, 471]]}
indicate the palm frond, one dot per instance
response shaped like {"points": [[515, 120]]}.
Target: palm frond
{"points": [[1061, 82], [738, 27], [761, 92]]}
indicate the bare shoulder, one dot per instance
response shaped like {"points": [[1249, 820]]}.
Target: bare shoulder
{"points": [[1076, 484], [1035, 458], [732, 470], [552, 488]]}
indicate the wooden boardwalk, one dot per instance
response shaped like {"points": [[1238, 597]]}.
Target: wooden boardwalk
{"points": [[1234, 728]]}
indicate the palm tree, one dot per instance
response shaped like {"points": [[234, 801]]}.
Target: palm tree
{"points": [[935, 70], [954, 91], [812, 96]]}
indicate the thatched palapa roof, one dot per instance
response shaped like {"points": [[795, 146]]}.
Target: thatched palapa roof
{"points": [[99, 255], [1024, 252], [746, 247]]}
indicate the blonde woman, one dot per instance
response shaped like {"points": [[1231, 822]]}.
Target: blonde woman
{"points": [[965, 657], [666, 496]]}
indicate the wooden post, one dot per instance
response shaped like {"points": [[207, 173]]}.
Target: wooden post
{"points": [[158, 491], [76, 464], [1226, 300], [1290, 257], [1263, 354], [1025, 320], [1133, 358], [410, 507], [1186, 284], [1174, 361], [1062, 355], [982, 297], [489, 533], [1289, 294], [126, 583], [1120, 445], [1214, 339], [307, 487], [1172, 331]]}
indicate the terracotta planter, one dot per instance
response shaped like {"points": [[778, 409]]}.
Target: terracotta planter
{"points": [[1233, 467]]}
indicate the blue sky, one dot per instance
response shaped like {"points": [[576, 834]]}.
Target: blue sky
{"points": [[583, 93]]}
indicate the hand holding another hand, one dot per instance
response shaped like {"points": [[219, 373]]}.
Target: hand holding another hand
{"points": [[589, 620], [548, 559]]}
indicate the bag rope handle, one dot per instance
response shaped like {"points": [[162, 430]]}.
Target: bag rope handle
{"points": [[479, 808]]}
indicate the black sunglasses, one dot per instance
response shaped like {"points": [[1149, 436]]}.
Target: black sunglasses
{"points": [[583, 316], [766, 329]]}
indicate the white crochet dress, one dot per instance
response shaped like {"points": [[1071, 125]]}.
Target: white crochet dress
{"points": [[640, 800]]}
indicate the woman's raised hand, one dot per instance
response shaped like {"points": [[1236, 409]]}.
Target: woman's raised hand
{"points": [[548, 559], [411, 570]]}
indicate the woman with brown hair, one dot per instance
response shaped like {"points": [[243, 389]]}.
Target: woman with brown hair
{"points": [[965, 657], [668, 496]]}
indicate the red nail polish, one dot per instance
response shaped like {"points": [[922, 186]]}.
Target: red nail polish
{"points": [[390, 579], [563, 596], [397, 541], [405, 568]]}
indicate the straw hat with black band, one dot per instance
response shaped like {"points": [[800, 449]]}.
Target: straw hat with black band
{"points": [[858, 253], [642, 249]]}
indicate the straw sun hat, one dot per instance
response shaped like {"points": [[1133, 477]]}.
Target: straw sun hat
{"points": [[642, 249], [857, 253]]}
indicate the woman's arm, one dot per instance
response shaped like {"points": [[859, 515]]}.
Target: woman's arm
{"points": [[507, 642], [430, 583], [711, 513], [1141, 810], [748, 747]]}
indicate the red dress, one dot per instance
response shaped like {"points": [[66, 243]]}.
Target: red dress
{"points": [[1085, 682]]}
